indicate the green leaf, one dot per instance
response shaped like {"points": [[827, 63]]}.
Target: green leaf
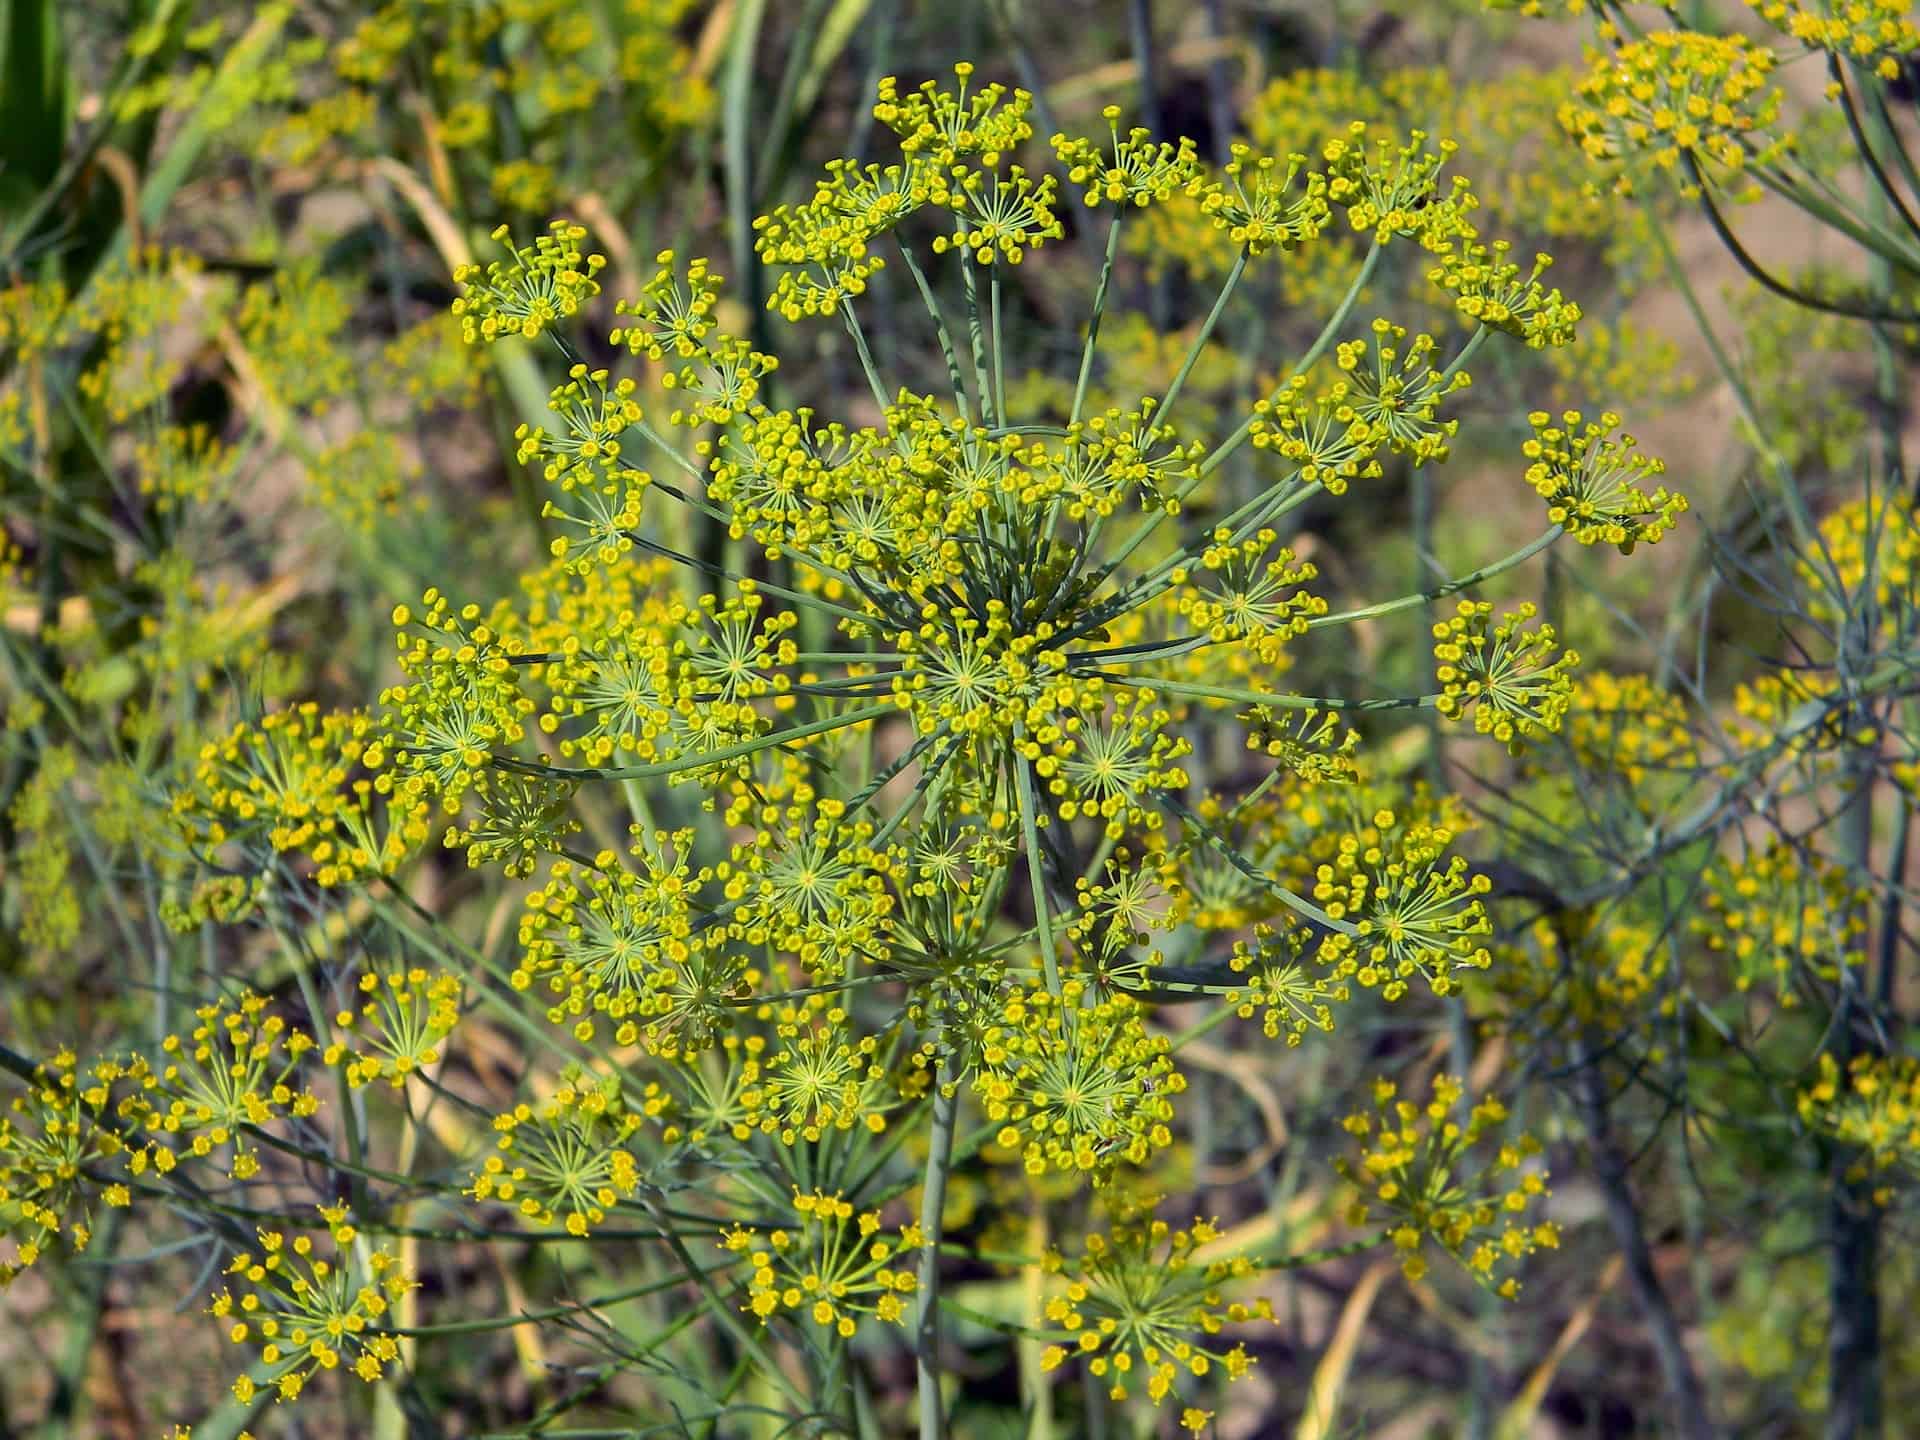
{"points": [[33, 98], [736, 125]]}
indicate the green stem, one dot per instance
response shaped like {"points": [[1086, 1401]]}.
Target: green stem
{"points": [[872, 373], [999, 352], [1093, 322], [695, 762], [1030, 834], [1452, 587], [1165, 407], [945, 336], [933, 1201], [1278, 701]]}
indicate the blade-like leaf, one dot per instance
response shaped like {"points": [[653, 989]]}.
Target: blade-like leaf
{"points": [[33, 98]]}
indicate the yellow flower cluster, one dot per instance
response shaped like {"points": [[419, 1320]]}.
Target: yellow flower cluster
{"points": [[1250, 592], [831, 1265], [1864, 569], [1254, 201], [1674, 94], [305, 782], [1628, 726], [293, 328], [1077, 1084], [534, 291], [822, 1076], [1594, 484], [565, 1164], [1285, 985], [144, 312], [235, 1071], [604, 940], [182, 466], [1137, 170], [397, 1030], [49, 907], [1780, 915], [1506, 674], [1873, 1107], [307, 1314], [65, 1122], [1407, 908], [824, 246], [461, 700], [1414, 1171], [1488, 289], [1145, 1305], [1768, 714], [1606, 977], [1882, 33], [942, 126]]}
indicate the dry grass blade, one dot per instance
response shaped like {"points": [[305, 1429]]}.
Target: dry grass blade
{"points": [[1518, 1416], [1330, 1375]]}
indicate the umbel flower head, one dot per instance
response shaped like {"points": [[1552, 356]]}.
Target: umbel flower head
{"points": [[1404, 908], [941, 126], [1507, 674], [1256, 203], [1077, 1086], [236, 1070], [1593, 484], [68, 1122], [1873, 1107], [403, 1016], [536, 289], [306, 1314], [1675, 94], [564, 1164], [300, 782], [1285, 983], [1136, 170], [831, 1267], [952, 775], [1145, 1305], [1416, 1170], [1884, 32], [1780, 914]]}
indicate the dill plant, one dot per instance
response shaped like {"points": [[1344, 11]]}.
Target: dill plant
{"points": [[1722, 872], [936, 701]]}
